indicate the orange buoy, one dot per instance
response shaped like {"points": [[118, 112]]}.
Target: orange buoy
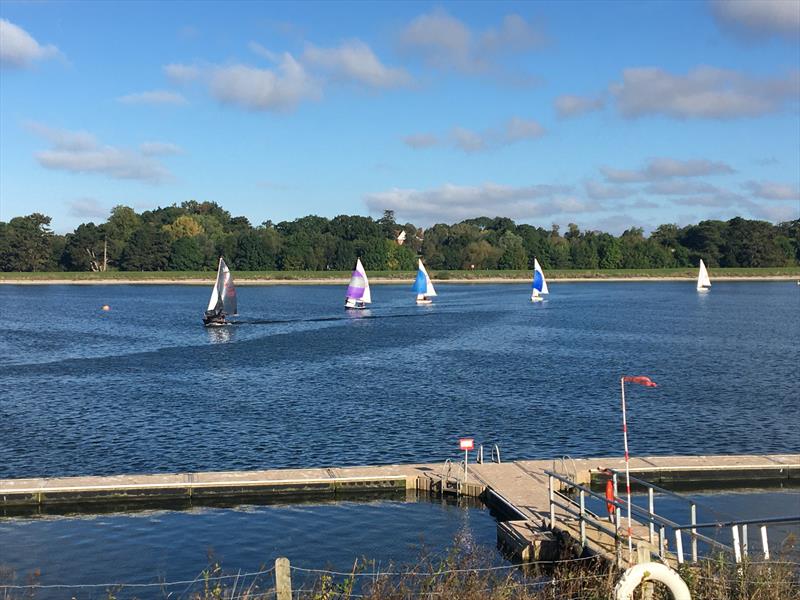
{"points": [[106, 307], [610, 498]]}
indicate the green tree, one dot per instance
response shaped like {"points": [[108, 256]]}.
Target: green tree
{"points": [[83, 249], [26, 244], [147, 250], [513, 252], [186, 254]]}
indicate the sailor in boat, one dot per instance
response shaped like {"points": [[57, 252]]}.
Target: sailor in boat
{"points": [[214, 317]]}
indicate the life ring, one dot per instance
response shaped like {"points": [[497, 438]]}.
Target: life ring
{"points": [[633, 577], [610, 498]]}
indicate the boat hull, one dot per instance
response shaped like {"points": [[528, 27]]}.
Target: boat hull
{"points": [[424, 302]]}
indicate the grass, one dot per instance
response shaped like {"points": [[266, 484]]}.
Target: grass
{"points": [[441, 275], [469, 573]]}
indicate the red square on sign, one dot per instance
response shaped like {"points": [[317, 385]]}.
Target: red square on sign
{"points": [[466, 443]]}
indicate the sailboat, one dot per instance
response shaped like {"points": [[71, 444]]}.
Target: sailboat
{"points": [[703, 282], [539, 285], [358, 296], [223, 298], [423, 286]]}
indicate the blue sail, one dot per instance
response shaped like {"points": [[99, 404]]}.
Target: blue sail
{"points": [[420, 283], [538, 280]]}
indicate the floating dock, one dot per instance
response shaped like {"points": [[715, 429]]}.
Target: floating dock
{"points": [[518, 491]]}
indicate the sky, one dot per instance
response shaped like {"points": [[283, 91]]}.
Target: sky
{"points": [[610, 115]]}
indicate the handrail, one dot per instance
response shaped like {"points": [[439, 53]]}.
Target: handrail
{"points": [[651, 517], [658, 489], [767, 521]]}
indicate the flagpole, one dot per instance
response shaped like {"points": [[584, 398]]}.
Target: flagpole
{"points": [[627, 468]]}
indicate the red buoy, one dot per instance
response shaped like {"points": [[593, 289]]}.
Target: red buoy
{"points": [[610, 498]]}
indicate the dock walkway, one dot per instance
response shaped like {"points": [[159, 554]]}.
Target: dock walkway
{"points": [[518, 490]]}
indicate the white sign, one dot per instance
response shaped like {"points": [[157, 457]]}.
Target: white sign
{"points": [[466, 443]]}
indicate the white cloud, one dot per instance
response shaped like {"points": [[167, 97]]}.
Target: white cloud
{"points": [[153, 97], [758, 19], [19, 49], [777, 214], [771, 190], [355, 61], [516, 129], [421, 140], [719, 198], [572, 106], [445, 42], [181, 74], [87, 208], [160, 149], [666, 168], [680, 188], [259, 50], [264, 89], [80, 152], [600, 191], [703, 93], [515, 35], [467, 140], [454, 203]]}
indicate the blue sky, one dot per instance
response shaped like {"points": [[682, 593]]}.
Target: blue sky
{"points": [[609, 115]]}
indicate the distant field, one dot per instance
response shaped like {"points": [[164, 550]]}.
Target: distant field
{"points": [[194, 276]]}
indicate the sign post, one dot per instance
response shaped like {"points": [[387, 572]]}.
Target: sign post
{"points": [[466, 444]]}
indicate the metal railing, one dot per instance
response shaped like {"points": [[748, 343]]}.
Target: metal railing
{"points": [[574, 504]]}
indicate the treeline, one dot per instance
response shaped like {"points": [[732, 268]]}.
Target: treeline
{"points": [[193, 235]]}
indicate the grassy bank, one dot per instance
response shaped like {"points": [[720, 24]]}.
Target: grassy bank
{"points": [[439, 275], [467, 574]]}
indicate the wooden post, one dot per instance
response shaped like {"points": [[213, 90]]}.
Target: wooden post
{"points": [[643, 556], [283, 579]]}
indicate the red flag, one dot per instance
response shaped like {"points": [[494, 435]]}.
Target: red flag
{"points": [[641, 380]]}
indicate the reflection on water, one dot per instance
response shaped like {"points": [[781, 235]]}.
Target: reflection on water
{"points": [[301, 382], [155, 544], [221, 335]]}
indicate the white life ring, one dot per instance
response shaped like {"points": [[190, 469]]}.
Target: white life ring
{"points": [[633, 577]]}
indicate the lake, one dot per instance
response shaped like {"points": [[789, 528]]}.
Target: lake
{"points": [[299, 382]]}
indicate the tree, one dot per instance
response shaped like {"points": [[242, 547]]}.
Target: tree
{"points": [[26, 244], [186, 254], [513, 252], [83, 249], [183, 226], [147, 250]]}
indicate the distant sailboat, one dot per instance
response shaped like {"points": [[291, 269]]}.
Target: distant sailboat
{"points": [[703, 282], [358, 296], [223, 298], [423, 286], [539, 285]]}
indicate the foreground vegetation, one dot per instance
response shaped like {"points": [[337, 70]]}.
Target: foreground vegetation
{"points": [[469, 573], [399, 276], [192, 236]]}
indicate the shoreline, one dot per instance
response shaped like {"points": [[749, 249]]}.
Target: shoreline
{"points": [[382, 280]]}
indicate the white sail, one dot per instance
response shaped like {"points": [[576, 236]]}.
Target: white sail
{"points": [[358, 288], [215, 295], [429, 290], [367, 297], [227, 289], [539, 285], [703, 282]]}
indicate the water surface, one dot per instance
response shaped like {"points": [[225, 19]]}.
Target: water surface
{"points": [[298, 382]]}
